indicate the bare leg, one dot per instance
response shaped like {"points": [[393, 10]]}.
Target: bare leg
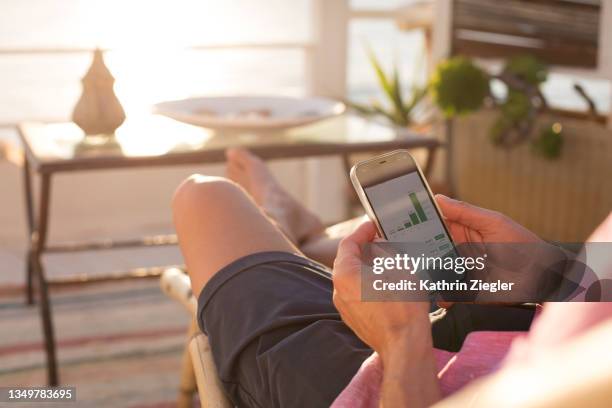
{"points": [[300, 225], [323, 247], [248, 170], [217, 223]]}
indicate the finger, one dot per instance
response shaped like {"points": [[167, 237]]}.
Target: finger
{"points": [[351, 244], [445, 305], [466, 214], [462, 234]]}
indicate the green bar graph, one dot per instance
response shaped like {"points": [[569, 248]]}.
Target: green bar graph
{"points": [[417, 207], [414, 218]]}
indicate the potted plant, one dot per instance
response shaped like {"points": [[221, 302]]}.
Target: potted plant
{"points": [[399, 108], [547, 169]]}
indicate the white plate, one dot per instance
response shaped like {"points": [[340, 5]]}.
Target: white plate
{"points": [[250, 112]]}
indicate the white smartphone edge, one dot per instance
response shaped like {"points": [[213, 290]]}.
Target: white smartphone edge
{"points": [[366, 203]]}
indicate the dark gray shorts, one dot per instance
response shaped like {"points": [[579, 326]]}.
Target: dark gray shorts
{"points": [[278, 341]]}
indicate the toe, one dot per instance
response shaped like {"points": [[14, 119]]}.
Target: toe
{"points": [[238, 154], [243, 157], [233, 168], [233, 156], [237, 175]]}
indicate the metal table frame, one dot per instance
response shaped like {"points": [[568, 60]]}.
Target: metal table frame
{"points": [[38, 215]]}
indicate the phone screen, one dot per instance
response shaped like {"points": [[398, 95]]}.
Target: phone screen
{"points": [[406, 213]]}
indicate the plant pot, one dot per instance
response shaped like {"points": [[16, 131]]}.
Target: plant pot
{"points": [[560, 199]]}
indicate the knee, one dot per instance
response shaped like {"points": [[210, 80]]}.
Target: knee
{"points": [[203, 194]]}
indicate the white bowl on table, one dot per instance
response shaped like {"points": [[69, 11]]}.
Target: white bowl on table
{"points": [[250, 113]]}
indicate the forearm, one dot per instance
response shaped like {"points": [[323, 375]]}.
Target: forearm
{"points": [[410, 374]]}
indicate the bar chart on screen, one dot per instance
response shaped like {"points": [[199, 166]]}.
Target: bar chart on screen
{"points": [[421, 221], [407, 214]]}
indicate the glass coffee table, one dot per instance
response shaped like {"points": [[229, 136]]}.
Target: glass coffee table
{"points": [[53, 148]]}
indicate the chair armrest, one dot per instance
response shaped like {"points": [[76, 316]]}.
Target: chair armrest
{"points": [[210, 388], [176, 284]]}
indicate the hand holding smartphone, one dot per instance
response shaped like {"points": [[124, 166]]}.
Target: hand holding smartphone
{"points": [[395, 195]]}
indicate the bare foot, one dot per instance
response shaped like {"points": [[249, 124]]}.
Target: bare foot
{"points": [[253, 175]]}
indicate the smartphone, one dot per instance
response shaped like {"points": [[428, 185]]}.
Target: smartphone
{"points": [[396, 197]]}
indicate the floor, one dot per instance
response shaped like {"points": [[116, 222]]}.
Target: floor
{"points": [[119, 344]]}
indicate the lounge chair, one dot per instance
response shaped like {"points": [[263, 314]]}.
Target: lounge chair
{"points": [[198, 367]]}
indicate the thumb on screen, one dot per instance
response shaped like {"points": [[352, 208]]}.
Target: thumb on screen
{"points": [[465, 214]]}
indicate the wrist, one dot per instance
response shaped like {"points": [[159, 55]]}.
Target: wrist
{"points": [[412, 341], [409, 370]]}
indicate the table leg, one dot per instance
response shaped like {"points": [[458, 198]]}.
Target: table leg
{"points": [[29, 279], [39, 238], [350, 196], [431, 156], [450, 179], [346, 162], [47, 325], [27, 188]]}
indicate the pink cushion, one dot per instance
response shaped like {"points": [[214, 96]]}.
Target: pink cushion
{"points": [[481, 354]]}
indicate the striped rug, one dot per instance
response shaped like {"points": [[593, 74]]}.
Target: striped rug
{"points": [[119, 344]]}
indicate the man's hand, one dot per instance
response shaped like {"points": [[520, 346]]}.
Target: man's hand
{"points": [[470, 224], [379, 324], [399, 331], [515, 254]]}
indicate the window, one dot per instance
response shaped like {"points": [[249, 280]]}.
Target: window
{"points": [[159, 50]]}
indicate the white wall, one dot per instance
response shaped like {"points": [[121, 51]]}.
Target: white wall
{"points": [[326, 76]]}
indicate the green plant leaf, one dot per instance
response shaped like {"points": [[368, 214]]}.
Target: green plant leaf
{"points": [[397, 101], [527, 68], [400, 106], [383, 81], [549, 142], [459, 87], [416, 96], [499, 128], [516, 107], [381, 111], [361, 108]]}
